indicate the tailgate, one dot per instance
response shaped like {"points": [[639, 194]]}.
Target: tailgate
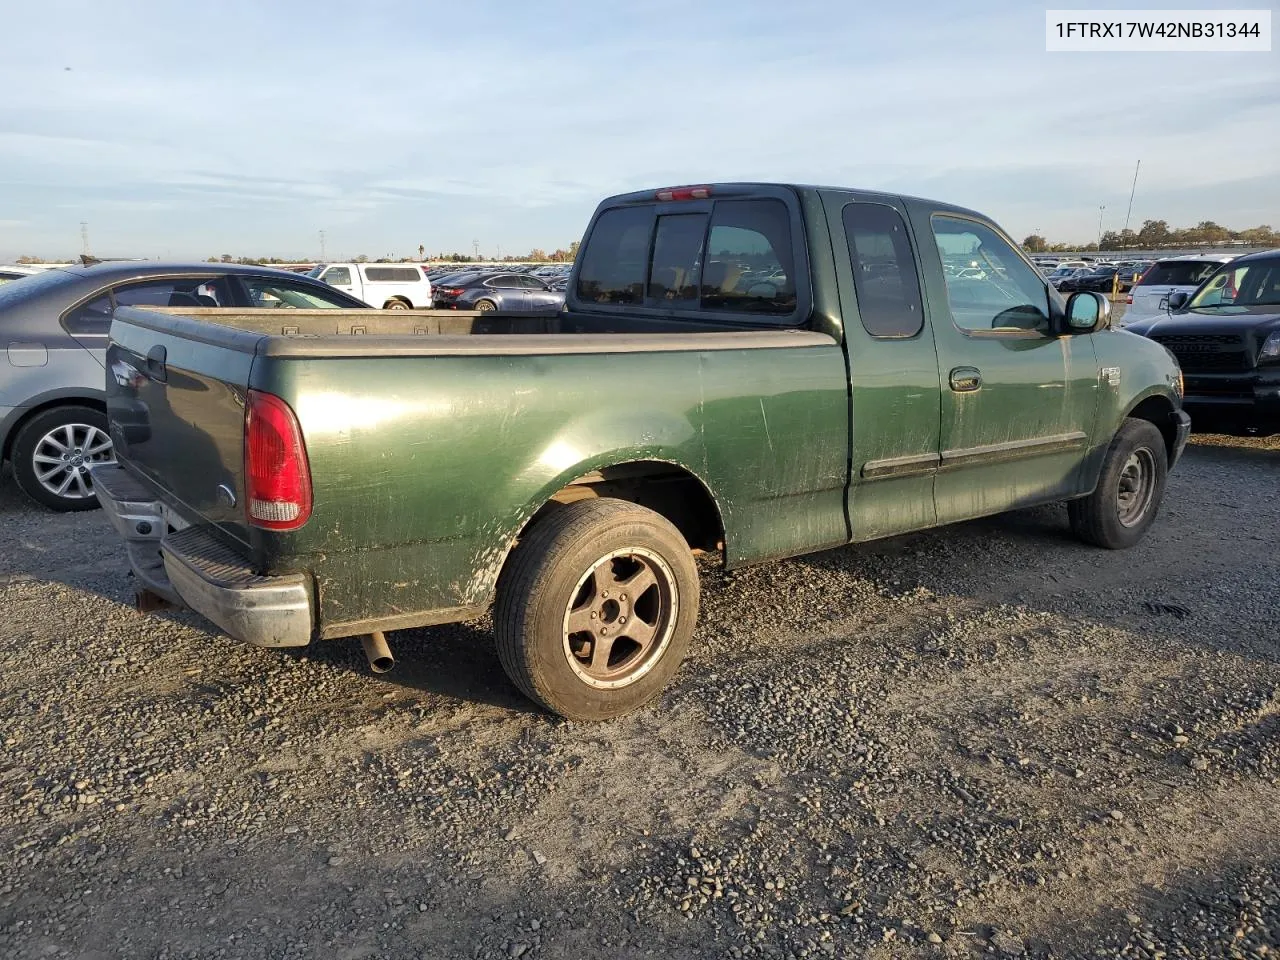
{"points": [[175, 402]]}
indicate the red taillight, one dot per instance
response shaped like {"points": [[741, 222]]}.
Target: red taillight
{"points": [[277, 474], [684, 193], [1128, 298], [451, 291]]}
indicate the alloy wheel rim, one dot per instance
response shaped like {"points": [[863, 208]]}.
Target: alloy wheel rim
{"points": [[1137, 485], [62, 458], [620, 618]]}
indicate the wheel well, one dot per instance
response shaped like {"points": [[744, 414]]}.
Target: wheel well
{"points": [[399, 299], [664, 488], [41, 408], [1157, 410]]}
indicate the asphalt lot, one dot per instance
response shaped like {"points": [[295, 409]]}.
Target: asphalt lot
{"points": [[982, 740]]}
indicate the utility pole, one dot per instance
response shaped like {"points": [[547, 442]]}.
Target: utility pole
{"points": [[323, 257], [1131, 193], [1101, 207], [84, 236], [475, 247]]}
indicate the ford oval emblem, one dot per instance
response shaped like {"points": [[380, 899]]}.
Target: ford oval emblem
{"points": [[226, 495]]}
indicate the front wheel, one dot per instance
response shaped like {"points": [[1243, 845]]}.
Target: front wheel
{"points": [[595, 609], [397, 305], [1127, 499], [52, 453], [485, 306]]}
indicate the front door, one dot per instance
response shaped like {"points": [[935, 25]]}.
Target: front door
{"points": [[893, 368], [340, 278], [1018, 401]]}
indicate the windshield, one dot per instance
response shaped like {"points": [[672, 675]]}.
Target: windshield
{"points": [[1238, 287]]}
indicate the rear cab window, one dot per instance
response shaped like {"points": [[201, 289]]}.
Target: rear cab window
{"points": [[723, 257], [1179, 273]]}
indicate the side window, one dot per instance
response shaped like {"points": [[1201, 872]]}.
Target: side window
{"points": [[506, 282], [531, 283], [677, 256], [989, 286], [269, 292], [749, 266], [90, 319], [174, 292], [616, 256], [884, 270], [337, 277]]}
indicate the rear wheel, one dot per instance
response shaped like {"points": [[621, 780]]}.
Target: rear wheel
{"points": [[1127, 499], [485, 306], [52, 453], [397, 305], [595, 609]]}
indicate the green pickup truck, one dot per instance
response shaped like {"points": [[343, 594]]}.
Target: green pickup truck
{"points": [[755, 371]]}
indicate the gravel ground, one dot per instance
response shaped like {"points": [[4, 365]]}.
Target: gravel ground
{"points": [[985, 740]]}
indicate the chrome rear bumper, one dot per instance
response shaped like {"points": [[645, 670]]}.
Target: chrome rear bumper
{"points": [[194, 569]]}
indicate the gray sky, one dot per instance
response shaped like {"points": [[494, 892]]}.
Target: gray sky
{"points": [[184, 130]]}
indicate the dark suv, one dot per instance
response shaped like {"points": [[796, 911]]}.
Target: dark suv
{"points": [[53, 329]]}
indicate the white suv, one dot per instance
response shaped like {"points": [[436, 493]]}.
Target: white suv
{"points": [[391, 286], [1150, 295]]}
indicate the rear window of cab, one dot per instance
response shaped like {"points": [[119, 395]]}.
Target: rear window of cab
{"points": [[738, 257]]}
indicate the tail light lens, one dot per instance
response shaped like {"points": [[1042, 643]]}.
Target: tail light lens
{"points": [[451, 291], [1128, 298], [277, 473], [683, 193]]}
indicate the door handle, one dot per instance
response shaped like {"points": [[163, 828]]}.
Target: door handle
{"points": [[156, 363], [966, 379]]}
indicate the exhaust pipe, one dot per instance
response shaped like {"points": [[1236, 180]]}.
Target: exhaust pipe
{"points": [[147, 601], [377, 651]]}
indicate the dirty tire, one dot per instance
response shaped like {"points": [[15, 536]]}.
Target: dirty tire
{"points": [[486, 306], [1097, 518], [545, 574], [397, 305], [24, 450]]}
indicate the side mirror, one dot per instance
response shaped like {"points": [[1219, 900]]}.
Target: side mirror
{"points": [[1178, 299], [1087, 312]]}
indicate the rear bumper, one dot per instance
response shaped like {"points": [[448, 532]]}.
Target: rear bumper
{"points": [[192, 568]]}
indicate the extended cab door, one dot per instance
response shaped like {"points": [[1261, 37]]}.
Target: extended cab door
{"points": [[893, 368], [1018, 400]]}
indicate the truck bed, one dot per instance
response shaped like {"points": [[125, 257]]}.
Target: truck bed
{"points": [[331, 333]]}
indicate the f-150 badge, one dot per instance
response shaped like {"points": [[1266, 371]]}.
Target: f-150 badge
{"points": [[1111, 375]]}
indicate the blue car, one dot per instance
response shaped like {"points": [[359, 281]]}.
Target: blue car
{"points": [[515, 292]]}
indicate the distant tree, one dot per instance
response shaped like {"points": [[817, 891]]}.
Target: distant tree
{"points": [[30, 259], [1034, 243], [1262, 236], [573, 250], [1210, 232], [537, 255], [422, 251], [1154, 233], [360, 258], [212, 260], [227, 258]]}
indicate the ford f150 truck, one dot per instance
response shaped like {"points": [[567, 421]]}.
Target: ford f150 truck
{"points": [[756, 371], [1226, 336]]}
